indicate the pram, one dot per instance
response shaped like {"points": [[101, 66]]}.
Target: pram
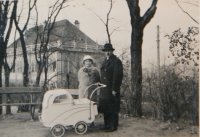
{"points": [[60, 111]]}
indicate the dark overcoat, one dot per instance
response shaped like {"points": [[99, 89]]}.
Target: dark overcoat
{"points": [[111, 76]]}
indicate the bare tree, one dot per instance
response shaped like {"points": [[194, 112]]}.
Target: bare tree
{"points": [[4, 10], [138, 24], [22, 39], [5, 7], [7, 68], [43, 52], [106, 23]]}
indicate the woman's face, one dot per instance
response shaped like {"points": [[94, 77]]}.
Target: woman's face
{"points": [[88, 63]]}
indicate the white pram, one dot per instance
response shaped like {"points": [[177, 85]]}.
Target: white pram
{"points": [[60, 111]]}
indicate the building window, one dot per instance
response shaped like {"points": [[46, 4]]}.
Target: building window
{"points": [[61, 99], [54, 66]]}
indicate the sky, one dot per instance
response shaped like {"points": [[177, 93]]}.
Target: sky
{"points": [[168, 16]]}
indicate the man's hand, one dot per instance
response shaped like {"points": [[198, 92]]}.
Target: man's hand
{"points": [[114, 93]]}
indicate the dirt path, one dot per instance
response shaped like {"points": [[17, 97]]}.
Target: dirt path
{"points": [[19, 125]]}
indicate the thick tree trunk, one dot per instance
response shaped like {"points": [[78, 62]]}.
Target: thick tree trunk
{"points": [[7, 76], [136, 68], [1, 64], [2, 55], [0, 73], [138, 24], [26, 65], [23, 44], [4, 8]]}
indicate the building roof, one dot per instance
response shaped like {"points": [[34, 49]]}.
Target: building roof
{"points": [[64, 34]]}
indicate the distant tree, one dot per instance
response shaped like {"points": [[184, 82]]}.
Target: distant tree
{"points": [[44, 51], [4, 11], [7, 68], [22, 38], [5, 7], [138, 24]]}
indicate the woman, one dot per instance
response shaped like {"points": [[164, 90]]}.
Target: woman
{"points": [[88, 75]]}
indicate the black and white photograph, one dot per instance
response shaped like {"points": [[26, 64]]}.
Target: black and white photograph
{"points": [[107, 68]]}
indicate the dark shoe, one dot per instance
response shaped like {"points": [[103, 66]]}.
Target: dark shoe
{"points": [[111, 129]]}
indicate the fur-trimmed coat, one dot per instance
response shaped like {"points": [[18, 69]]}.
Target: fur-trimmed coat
{"points": [[86, 77]]}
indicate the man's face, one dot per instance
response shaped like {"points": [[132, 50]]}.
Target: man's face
{"points": [[108, 53]]}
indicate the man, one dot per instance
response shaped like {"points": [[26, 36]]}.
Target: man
{"points": [[109, 98]]}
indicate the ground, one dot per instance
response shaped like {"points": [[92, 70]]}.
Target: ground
{"points": [[19, 125]]}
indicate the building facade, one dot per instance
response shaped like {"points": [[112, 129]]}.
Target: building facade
{"points": [[71, 45]]}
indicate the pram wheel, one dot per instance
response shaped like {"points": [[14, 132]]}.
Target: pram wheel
{"points": [[81, 128], [58, 131]]}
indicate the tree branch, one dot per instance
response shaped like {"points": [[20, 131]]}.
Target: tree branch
{"points": [[107, 20], [134, 9], [29, 12], [10, 28], [97, 16], [149, 13], [187, 13], [37, 32], [5, 15], [189, 3], [116, 29]]}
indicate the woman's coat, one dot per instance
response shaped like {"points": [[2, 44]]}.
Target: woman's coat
{"points": [[86, 77]]}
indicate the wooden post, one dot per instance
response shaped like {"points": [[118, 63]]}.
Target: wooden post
{"points": [[158, 51], [158, 67]]}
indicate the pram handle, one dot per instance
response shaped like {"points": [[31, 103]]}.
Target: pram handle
{"points": [[100, 85]]}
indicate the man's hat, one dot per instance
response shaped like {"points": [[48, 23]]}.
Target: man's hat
{"points": [[108, 46]]}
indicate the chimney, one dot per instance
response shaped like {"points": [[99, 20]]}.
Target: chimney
{"points": [[77, 24]]}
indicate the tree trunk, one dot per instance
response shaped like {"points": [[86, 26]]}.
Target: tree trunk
{"points": [[26, 65], [136, 67], [7, 76], [23, 44], [39, 72], [138, 24], [1, 64], [4, 10], [44, 86], [2, 55]]}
